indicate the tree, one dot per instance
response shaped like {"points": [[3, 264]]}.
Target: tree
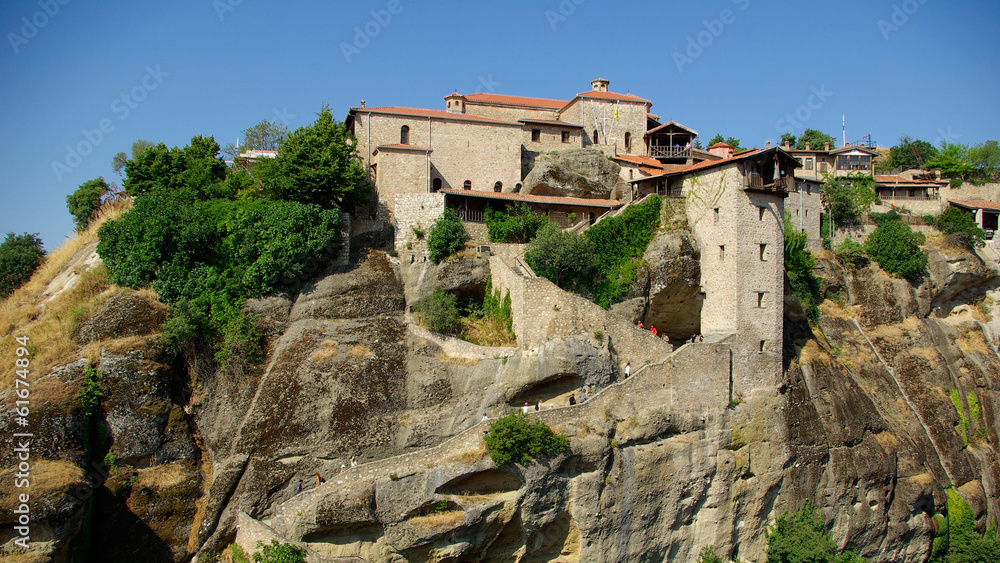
{"points": [[731, 141], [514, 439], [789, 138], [447, 236], [439, 310], [518, 223], [799, 263], [708, 555], [119, 160], [266, 135], [801, 537], [848, 197], [316, 164], [953, 160], [985, 158], [896, 247], [20, 256], [960, 227], [559, 255], [85, 201], [817, 140], [195, 166], [911, 153]]}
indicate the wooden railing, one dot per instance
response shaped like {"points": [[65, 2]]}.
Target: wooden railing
{"points": [[472, 216], [659, 151], [754, 181], [919, 197]]}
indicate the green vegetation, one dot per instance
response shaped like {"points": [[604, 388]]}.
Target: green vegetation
{"points": [[960, 228], [266, 135], [91, 393], [619, 243], [518, 223], [708, 555], [272, 553], [957, 541], [847, 198], [910, 153], [851, 253], [799, 263], [20, 256], [514, 439], [120, 159], [801, 537], [817, 140], [560, 256], [963, 422], [967, 163], [497, 316], [447, 236], [439, 311], [85, 201], [896, 247], [731, 141]]}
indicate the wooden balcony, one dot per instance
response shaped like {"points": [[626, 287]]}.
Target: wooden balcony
{"points": [[754, 181], [662, 151]]}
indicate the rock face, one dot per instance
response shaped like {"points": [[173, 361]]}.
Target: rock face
{"points": [[586, 173]]}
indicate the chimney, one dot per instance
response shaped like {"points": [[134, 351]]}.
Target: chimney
{"points": [[599, 85], [826, 146], [362, 104], [807, 145], [767, 145], [788, 145]]}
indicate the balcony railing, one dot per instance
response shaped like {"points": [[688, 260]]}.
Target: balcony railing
{"points": [[660, 151], [471, 215], [916, 197], [754, 181]]}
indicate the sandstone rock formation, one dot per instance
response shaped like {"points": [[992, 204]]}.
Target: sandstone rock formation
{"points": [[586, 173]]}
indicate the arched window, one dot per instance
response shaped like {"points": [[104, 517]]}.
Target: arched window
{"points": [[628, 141], [595, 136], [517, 187], [436, 185], [498, 186], [404, 135], [467, 185]]}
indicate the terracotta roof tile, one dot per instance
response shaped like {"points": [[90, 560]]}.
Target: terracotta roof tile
{"points": [[611, 96], [641, 160], [515, 100], [529, 198], [401, 110], [977, 203]]}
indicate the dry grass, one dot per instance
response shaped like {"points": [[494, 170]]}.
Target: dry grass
{"points": [[926, 353], [456, 361], [438, 520], [940, 241], [813, 353], [923, 479], [486, 332], [467, 456], [972, 341], [887, 440], [50, 480], [360, 350], [837, 311]]}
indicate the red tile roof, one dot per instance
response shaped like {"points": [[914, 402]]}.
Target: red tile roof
{"points": [[670, 169], [641, 160], [650, 171], [530, 198], [515, 100], [977, 204], [401, 110], [611, 96]]}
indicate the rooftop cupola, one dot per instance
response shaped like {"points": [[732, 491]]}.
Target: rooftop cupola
{"points": [[455, 103], [599, 85]]}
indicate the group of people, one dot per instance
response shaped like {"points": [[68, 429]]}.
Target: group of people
{"points": [[697, 338], [652, 329], [319, 478]]}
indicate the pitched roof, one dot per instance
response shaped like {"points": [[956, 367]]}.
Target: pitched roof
{"points": [[640, 160], [976, 204], [673, 169], [611, 96], [848, 148], [530, 198], [669, 123], [502, 99], [896, 180], [422, 112]]}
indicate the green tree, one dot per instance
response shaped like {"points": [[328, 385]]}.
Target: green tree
{"points": [[985, 158], [958, 541], [447, 236], [514, 438], [896, 247], [817, 140], [708, 555], [619, 243], [801, 537], [559, 255], [316, 164], [791, 139], [195, 166], [799, 264], [518, 223], [20, 256], [439, 310], [953, 160], [279, 553], [266, 135], [138, 147], [911, 153], [847, 198], [85, 201], [960, 227], [731, 141]]}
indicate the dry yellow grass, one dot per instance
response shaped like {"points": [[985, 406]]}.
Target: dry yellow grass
{"points": [[438, 520], [467, 456], [813, 353], [887, 440], [923, 479], [972, 341], [50, 480], [360, 351], [833, 309]]}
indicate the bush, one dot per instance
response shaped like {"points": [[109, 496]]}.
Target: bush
{"points": [[279, 553], [619, 243], [799, 263], [896, 248], [91, 393], [801, 537], [514, 439], [708, 555], [559, 255], [518, 223], [961, 228], [498, 311], [20, 256], [447, 236], [957, 540], [85, 201], [851, 253], [439, 311]]}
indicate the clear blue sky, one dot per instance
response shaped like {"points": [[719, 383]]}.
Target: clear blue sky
{"points": [[927, 68]]}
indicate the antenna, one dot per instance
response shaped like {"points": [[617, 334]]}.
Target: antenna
{"points": [[844, 126]]}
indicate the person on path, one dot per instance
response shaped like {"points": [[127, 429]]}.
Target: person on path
{"points": [[319, 478], [298, 488], [524, 409], [628, 369], [653, 330], [572, 399], [485, 418], [538, 406], [583, 396], [354, 462]]}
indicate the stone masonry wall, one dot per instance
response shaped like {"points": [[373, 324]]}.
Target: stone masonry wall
{"points": [[550, 138], [401, 172], [418, 210], [805, 207]]}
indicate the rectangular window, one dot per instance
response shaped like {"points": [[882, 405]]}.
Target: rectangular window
{"points": [[807, 212], [762, 210], [822, 166], [809, 163], [565, 136], [722, 252], [760, 299], [716, 214], [763, 344], [763, 252], [796, 212], [536, 135]]}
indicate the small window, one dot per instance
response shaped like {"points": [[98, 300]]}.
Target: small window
{"points": [[822, 166], [796, 212], [467, 185], [762, 210], [565, 136], [807, 212], [517, 187], [763, 252], [436, 184], [449, 104], [808, 189], [809, 163], [595, 136], [722, 252], [404, 135], [498, 187], [628, 141], [760, 299], [631, 172], [536, 135], [763, 344], [716, 214]]}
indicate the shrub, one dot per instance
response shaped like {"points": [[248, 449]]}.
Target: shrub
{"points": [[85, 201], [896, 248], [514, 439], [559, 255], [801, 537], [517, 223], [439, 311], [799, 263], [91, 393], [958, 540], [447, 236], [498, 311], [619, 243], [708, 555], [279, 553], [20, 256], [851, 253], [960, 227]]}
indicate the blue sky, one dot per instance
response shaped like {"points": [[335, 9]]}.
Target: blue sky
{"points": [[165, 71]]}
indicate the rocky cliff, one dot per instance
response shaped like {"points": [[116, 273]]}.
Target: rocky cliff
{"points": [[890, 399]]}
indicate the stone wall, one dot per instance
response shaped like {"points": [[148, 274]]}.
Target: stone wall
{"points": [[805, 207], [597, 113], [508, 113], [550, 138], [418, 210], [969, 191], [401, 171]]}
